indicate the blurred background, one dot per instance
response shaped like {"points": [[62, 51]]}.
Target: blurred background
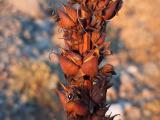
{"points": [[27, 36]]}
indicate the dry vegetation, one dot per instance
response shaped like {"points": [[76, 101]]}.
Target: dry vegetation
{"points": [[33, 80]]}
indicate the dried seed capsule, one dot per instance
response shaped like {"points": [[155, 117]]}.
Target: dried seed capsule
{"points": [[91, 54], [71, 12], [90, 64], [107, 69], [73, 39], [65, 21], [76, 58], [68, 67], [75, 35], [74, 45], [95, 36], [104, 49], [76, 109], [87, 84], [101, 39], [71, 44], [73, 101], [102, 4], [98, 93], [112, 9], [85, 13], [90, 67]]}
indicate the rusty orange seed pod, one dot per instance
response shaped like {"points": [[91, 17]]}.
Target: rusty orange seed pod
{"points": [[107, 68], [65, 21], [95, 36], [76, 58], [90, 64], [71, 12], [73, 105], [90, 67], [68, 67], [101, 40], [112, 9]]}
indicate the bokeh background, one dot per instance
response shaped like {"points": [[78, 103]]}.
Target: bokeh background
{"points": [[27, 75]]}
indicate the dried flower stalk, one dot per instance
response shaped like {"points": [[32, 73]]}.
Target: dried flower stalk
{"points": [[84, 24]]}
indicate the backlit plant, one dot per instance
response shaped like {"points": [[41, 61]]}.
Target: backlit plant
{"points": [[84, 25]]}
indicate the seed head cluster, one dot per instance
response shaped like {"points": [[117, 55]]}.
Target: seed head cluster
{"points": [[84, 25]]}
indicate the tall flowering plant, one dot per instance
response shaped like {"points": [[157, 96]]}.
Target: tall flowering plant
{"points": [[84, 25]]}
